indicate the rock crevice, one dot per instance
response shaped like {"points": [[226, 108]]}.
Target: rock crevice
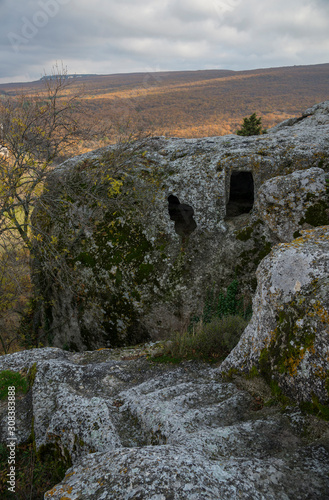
{"points": [[133, 429]]}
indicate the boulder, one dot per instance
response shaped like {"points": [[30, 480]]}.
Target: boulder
{"points": [[124, 265], [289, 203], [287, 339], [130, 428]]}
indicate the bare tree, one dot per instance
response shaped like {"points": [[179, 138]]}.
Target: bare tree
{"points": [[39, 131]]}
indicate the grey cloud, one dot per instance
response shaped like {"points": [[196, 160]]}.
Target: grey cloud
{"points": [[130, 35]]}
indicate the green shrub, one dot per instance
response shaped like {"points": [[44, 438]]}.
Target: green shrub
{"points": [[251, 126], [208, 341], [221, 305], [9, 378]]}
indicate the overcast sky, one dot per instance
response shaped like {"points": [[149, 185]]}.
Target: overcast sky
{"points": [[125, 36]]}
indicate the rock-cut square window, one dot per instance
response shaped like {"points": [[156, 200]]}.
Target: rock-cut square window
{"points": [[241, 198]]}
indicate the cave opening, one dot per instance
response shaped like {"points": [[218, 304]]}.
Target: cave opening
{"points": [[182, 215], [241, 198]]}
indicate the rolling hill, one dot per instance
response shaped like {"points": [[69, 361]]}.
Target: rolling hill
{"points": [[198, 103]]}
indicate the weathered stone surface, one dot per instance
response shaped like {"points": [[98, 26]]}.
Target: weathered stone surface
{"points": [[288, 335], [133, 429], [169, 472], [139, 277], [293, 202]]}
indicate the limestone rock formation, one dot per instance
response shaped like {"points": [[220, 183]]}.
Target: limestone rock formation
{"points": [[287, 339], [131, 275], [293, 202], [186, 214], [132, 429]]}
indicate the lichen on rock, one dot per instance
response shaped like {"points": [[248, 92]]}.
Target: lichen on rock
{"points": [[287, 338], [132, 428], [132, 276], [287, 204]]}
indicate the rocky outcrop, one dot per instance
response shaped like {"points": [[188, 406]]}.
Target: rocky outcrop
{"points": [[287, 339], [188, 213], [289, 203], [134, 429], [135, 272]]}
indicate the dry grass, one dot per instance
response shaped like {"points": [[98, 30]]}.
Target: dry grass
{"points": [[212, 341]]}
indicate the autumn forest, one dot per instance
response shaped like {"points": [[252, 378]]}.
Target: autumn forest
{"points": [[196, 103]]}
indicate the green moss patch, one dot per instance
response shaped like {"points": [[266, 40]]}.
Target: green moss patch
{"points": [[123, 265], [316, 408], [245, 234], [101, 247], [316, 215], [290, 340], [293, 337], [32, 374], [9, 378]]}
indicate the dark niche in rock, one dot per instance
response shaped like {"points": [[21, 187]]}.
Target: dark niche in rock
{"points": [[241, 198], [182, 215]]}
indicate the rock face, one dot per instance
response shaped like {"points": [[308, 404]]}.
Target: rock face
{"points": [[188, 213], [137, 273], [287, 338], [132, 429], [291, 202]]}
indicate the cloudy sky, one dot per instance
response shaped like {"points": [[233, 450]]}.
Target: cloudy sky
{"points": [[123, 36]]}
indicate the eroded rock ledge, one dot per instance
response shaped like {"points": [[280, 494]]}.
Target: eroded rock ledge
{"points": [[136, 430]]}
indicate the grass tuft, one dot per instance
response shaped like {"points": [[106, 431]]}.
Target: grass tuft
{"points": [[34, 475], [210, 342], [8, 378]]}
